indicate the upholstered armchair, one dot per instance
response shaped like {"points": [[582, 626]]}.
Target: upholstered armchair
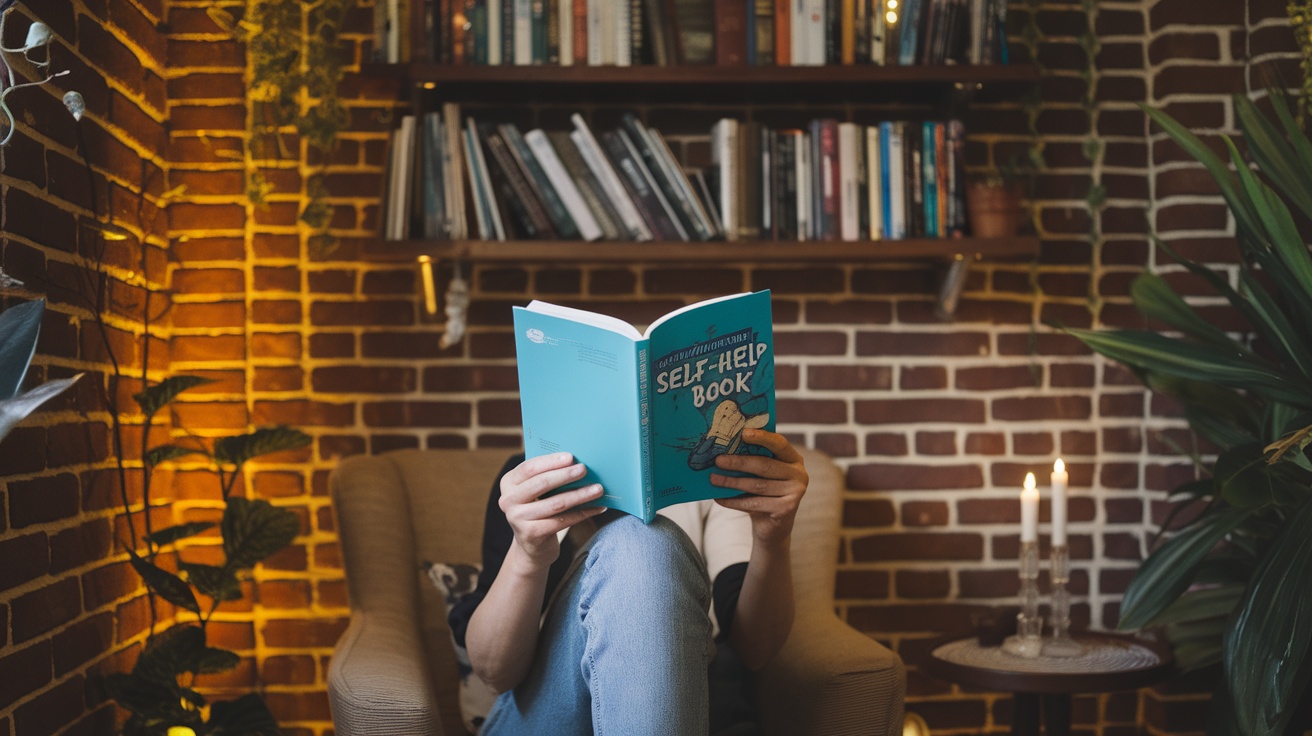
{"points": [[393, 670]]}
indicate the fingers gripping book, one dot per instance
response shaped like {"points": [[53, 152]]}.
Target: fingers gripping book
{"points": [[647, 412]]}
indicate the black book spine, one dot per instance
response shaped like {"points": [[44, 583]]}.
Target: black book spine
{"points": [[628, 168], [537, 179], [536, 223]]}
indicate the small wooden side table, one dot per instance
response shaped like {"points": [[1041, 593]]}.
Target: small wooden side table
{"points": [[1045, 685]]}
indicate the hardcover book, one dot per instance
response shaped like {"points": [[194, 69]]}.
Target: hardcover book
{"points": [[647, 412]]}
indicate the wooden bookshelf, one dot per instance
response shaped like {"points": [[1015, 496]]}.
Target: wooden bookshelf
{"points": [[749, 251], [774, 84]]}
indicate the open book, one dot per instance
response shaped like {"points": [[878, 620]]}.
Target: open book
{"points": [[647, 413]]}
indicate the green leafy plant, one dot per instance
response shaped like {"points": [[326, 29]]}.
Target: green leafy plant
{"points": [[1230, 585], [20, 327], [295, 62], [159, 691]]}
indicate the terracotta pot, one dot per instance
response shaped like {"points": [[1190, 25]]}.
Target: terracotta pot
{"points": [[995, 209]]}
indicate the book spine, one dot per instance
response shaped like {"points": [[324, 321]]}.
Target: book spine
{"points": [[830, 170], [802, 149], [875, 179], [847, 28], [849, 217], [644, 431], [666, 211], [895, 182], [914, 184], [523, 25], [495, 33], [785, 188], [480, 164], [783, 32], [564, 14], [553, 32], [538, 31], [762, 34], [434, 189], [749, 179], [538, 180], [589, 188], [630, 171], [580, 20], [684, 185], [731, 32], [928, 178], [609, 179], [456, 182], [665, 178], [941, 179], [563, 184], [482, 207], [878, 33], [536, 220]]}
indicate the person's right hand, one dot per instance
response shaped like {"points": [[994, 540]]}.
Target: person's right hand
{"points": [[536, 520]]}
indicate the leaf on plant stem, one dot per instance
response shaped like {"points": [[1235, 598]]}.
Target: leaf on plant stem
{"points": [[245, 716], [1158, 353], [239, 449], [164, 453], [210, 661], [169, 586], [1298, 439], [20, 325], [181, 531], [14, 410], [1155, 299], [1266, 653], [1200, 604], [156, 397], [1221, 173], [170, 654], [1169, 570], [253, 530], [220, 583]]}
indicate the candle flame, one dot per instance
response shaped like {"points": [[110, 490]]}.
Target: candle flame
{"points": [[1029, 482], [1059, 466]]}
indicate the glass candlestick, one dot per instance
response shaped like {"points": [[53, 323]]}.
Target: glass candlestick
{"points": [[1061, 644], [1027, 642]]}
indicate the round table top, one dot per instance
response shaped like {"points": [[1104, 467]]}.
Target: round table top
{"points": [[1109, 662]]}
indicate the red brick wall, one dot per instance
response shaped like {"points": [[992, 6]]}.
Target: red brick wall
{"points": [[935, 423], [70, 607]]}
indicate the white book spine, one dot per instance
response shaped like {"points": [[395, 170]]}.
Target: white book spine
{"points": [[897, 201], [481, 216], [564, 184], [565, 9], [724, 149], [848, 207], [815, 32], [402, 161], [878, 32], [874, 184], [803, 157], [394, 31], [801, 55], [594, 32], [456, 183], [523, 32], [610, 181], [494, 32], [623, 44]]}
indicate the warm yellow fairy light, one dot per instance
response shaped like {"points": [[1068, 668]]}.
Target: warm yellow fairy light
{"points": [[891, 17]]}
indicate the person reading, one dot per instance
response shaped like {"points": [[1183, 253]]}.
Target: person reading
{"points": [[587, 621]]}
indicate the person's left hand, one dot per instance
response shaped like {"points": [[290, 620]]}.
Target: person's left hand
{"points": [[775, 492]]}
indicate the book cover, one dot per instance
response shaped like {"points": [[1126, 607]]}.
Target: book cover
{"points": [[647, 412]]}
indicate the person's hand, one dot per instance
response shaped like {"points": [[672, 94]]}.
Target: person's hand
{"points": [[536, 520], [776, 490]]}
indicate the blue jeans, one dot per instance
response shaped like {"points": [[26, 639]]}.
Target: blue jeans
{"points": [[625, 644]]}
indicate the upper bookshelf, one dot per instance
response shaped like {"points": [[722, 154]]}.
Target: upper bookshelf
{"points": [[728, 84]]}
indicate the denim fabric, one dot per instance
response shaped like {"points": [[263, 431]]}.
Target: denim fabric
{"points": [[624, 646]]}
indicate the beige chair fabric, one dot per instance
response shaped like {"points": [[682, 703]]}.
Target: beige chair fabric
{"points": [[393, 671]]}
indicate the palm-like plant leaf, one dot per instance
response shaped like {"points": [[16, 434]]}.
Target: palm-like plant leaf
{"points": [[237, 450], [158, 396], [1154, 352], [1169, 570], [253, 530], [20, 326], [1266, 653], [1154, 299]]}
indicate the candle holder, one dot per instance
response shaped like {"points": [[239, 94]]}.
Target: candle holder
{"points": [[1061, 644], [1027, 641]]}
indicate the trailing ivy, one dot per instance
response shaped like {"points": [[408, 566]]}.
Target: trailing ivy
{"points": [[1095, 199], [294, 65]]}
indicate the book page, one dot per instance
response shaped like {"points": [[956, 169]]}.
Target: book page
{"points": [[583, 316]]}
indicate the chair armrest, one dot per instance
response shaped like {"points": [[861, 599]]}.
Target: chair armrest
{"points": [[829, 679], [377, 681]]}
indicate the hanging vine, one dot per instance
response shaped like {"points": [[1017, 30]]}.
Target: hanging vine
{"points": [[1300, 18], [1095, 200], [294, 66]]}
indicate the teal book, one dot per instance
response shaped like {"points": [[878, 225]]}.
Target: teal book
{"points": [[647, 412]]}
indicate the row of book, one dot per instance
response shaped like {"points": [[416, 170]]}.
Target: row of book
{"points": [[668, 32], [453, 178]]}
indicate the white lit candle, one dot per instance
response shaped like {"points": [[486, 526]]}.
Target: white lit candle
{"points": [[1029, 510], [1059, 481]]}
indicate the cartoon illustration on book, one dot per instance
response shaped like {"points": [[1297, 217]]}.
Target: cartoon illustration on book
{"points": [[725, 434]]}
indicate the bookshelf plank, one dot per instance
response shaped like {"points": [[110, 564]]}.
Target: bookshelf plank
{"points": [[574, 251]]}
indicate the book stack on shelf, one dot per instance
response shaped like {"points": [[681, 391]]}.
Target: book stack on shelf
{"points": [[671, 32], [453, 178]]}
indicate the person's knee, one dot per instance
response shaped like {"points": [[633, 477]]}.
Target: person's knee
{"points": [[643, 558]]}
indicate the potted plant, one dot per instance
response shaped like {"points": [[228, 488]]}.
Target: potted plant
{"points": [[1230, 585], [994, 205]]}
